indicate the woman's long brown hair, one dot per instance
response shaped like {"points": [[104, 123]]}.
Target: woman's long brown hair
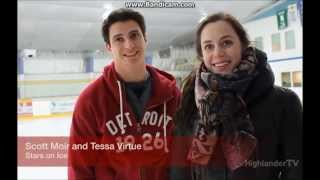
{"points": [[188, 106]]}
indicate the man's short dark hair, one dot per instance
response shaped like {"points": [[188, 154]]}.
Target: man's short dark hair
{"points": [[122, 15]]}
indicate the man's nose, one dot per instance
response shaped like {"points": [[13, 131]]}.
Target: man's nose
{"points": [[129, 44]]}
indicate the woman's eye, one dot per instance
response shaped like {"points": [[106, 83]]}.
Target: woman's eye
{"points": [[227, 43], [208, 47], [119, 39]]}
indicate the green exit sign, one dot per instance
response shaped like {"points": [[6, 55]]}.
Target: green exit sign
{"points": [[282, 18]]}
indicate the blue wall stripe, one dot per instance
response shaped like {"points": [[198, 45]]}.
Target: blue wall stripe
{"points": [[286, 59]]}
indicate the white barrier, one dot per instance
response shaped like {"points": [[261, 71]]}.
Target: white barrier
{"points": [[24, 107], [60, 106], [45, 107], [41, 108]]}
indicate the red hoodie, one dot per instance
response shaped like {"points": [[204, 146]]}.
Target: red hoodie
{"points": [[103, 116]]}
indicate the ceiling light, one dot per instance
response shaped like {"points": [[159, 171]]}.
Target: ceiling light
{"points": [[203, 15], [107, 10]]}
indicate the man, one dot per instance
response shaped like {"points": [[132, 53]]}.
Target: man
{"points": [[131, 103]]}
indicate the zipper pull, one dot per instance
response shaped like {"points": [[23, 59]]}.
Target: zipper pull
{"points": [[138, 127]]}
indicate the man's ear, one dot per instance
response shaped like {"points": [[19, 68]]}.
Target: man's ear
{"points": [[108, 47], [145, 38]]}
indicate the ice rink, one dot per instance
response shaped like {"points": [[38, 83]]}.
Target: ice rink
{"points": [[44, 127]]}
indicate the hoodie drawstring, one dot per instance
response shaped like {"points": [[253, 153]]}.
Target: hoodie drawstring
{"points": [[164, 118], [121, 107], [164, 127]]}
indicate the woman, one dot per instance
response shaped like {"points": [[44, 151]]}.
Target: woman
{"points": [[233, 122]]}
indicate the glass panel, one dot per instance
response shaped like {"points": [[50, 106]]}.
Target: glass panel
{"points": [[297, 78], [290, 40], [286, 79], [259, 43], [275, 41]]}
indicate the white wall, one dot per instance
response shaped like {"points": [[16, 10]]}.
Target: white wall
{"points": [[284, 66], [58, 74], [100, 63], [265, 28], [47, 90], [176, 53], [48, 66]]}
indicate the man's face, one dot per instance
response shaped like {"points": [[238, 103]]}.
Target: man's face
{"points": [[127, 43]]}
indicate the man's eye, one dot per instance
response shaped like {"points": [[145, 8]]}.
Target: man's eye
{"points": [[135, 35]]}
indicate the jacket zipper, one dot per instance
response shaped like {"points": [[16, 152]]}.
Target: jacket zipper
{"points": [[139, 128]]}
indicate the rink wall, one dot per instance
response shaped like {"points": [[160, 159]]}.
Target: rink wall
{"points": [[51, 75], [29, 109], [52, 85]]}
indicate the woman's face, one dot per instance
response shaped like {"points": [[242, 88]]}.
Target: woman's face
{"points": [[221, 47]]}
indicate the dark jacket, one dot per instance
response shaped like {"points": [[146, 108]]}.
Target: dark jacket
{"points": [[276, 114]]}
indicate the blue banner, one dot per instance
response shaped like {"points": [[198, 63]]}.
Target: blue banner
{"points": [[148, 60], [88, 64], [20, 63], [300, 9]]}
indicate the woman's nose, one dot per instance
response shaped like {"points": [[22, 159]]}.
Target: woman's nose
{"points": [[218, 52]]}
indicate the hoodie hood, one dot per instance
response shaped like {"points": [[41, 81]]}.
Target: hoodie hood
{"points": [[163, 85]]}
